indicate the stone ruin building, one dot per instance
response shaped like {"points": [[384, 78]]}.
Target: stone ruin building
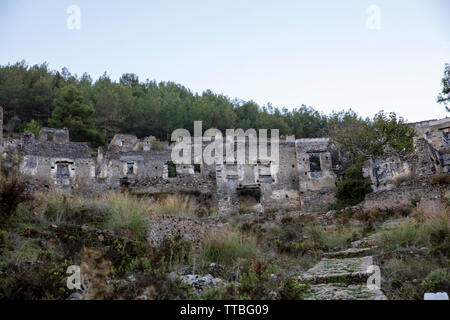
{"points": [[432, 156], [303, 179]]}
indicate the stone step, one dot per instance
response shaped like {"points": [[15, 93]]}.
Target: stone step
{"points": [[370, 241], [350, 253], [348, 270], [342, 291]]}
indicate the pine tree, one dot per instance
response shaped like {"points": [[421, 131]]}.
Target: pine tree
{"points": [[74, 114]]}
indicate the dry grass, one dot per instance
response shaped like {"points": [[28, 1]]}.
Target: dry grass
{"points": [[432, 232], [175, 205], [403, 177], [227, 247], [443, 178], [127, 215], [120, 212]]}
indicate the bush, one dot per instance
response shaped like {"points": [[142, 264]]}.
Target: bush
{"points": [[12, 193], [157, 145], [407, 234], [407, 276], [32, 126], [291, 289], [434, 233], [404, 177], [352, 189], [438, 230], [437, 281], [258, 281], [3, 238]]}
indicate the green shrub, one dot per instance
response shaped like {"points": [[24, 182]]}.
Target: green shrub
{"points": [[32, 126], [12, 193], [438, 230], [3, 238], [437, 281], [291, 289], [258, 281], [408, 276], [352, 189], [407, 234], [434, 233], [157, 145]]}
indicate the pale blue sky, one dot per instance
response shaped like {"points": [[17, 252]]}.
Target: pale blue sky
{"points": [[318, 53]]}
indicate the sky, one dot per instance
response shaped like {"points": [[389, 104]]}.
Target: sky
{"points": [[330, 55]]}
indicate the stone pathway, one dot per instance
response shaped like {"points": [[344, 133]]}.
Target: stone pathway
{"points": [[343, 275]]}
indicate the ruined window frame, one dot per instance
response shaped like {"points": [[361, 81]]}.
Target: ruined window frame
{"points": [[130, 165], [315, 164]]}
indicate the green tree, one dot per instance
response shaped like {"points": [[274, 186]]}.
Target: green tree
{"points": [[356, 137], [306, 122], [444, 96], [77, 116], [32, 126], [391, 134]]}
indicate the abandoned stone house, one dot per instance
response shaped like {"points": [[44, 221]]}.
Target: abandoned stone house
{"points": [[303, 178], [52, 157], [432, 156]]}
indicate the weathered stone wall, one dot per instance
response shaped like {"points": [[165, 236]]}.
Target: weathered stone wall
{"points": [[283, 192], [317, 180], [387, 171], [435, 132], [429, 200], [148, 170], [63, 165], [275, 179], [428, 159], [80, 171], [54, 135], [445, 159]]}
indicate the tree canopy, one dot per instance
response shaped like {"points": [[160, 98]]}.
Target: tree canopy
{"points": [[94, 111], [444, 96], [74, 114]]}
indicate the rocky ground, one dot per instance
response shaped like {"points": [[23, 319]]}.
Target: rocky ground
{"points": [[132, 247]]}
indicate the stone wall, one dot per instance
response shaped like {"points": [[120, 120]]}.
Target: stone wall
{"points": [[60, 136], [387, 171], [317, 180], [435, 132], [63, 165], [428, 199]]}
